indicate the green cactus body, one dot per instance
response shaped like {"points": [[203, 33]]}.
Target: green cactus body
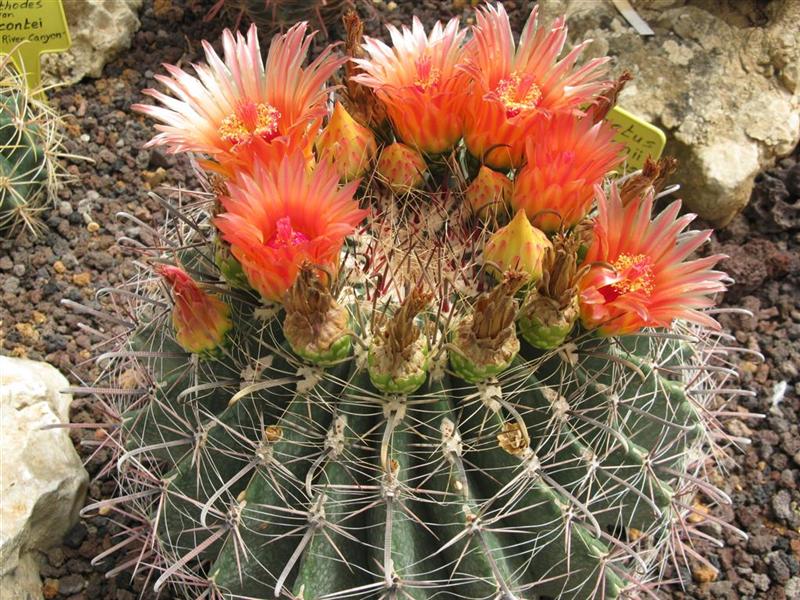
{"points": [[292, 477], [30, 141]]}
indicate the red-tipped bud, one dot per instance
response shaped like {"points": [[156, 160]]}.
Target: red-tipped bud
{"points": [[201, 320], [349, 145], [518, 246], [402, 167], [489, 193]]}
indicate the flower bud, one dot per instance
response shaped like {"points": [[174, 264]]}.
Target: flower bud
{"points": [[398, 356], [489, 193], [347, 144], [651, 179], [201, 320], [485, 341], [316, 326], [402, 167], [518, 246], [544, 322]]}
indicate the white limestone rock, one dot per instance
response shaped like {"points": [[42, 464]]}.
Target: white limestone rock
{"points": [[725, 86], [42, 481], [99, 29]]}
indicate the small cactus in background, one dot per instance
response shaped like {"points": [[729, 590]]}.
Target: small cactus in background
{"points": [[30, 144], [403, 400]]}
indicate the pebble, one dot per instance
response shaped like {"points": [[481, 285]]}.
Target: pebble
{"points": [[71, 584], [761, 581], [65, 209], [82, 279], [704, 573], [778, 567], [75, 536], [55, 556], [11, 285], [781, 507], [793, 180], [50, 588], [792, 588]]}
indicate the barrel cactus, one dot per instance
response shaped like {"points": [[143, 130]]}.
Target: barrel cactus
{"points": [[365, 389], [30, 143]]}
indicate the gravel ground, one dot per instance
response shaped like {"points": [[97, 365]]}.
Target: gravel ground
{"points": [[77, 255]]}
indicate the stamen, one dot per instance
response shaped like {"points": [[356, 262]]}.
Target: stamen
{"points": [[636, 274], [427, 75], [518, 94], [249, 121]]}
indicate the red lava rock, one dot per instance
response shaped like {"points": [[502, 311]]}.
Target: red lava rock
{"points": [[750, 264]]}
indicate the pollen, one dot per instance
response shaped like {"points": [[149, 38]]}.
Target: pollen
{"points": [[636, 274], [427, 75], [250, 120], [518, 94]]}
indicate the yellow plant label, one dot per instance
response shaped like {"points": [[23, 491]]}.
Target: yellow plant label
{"points": [[30, 28], [640, 138]]}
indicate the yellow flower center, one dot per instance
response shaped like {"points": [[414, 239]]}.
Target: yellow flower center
{"points": [[518, 93], [636, 274], [427, 75], [249, 121]]}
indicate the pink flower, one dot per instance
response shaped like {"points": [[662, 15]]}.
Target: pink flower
{"points": [[240, 101], [566, 157], [513, 87], [418, 81], [283, 215], [640, 276]]}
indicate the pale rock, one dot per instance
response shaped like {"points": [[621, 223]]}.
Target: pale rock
{"points": [[99, 29], [42, 480], [23, 583], [725, 86]]}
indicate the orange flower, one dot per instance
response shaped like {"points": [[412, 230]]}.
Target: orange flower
{"points": [[419, 83], [645, 281], [283, 215], [566, 157], [513, 87], [240, 101], [201, 320]]}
